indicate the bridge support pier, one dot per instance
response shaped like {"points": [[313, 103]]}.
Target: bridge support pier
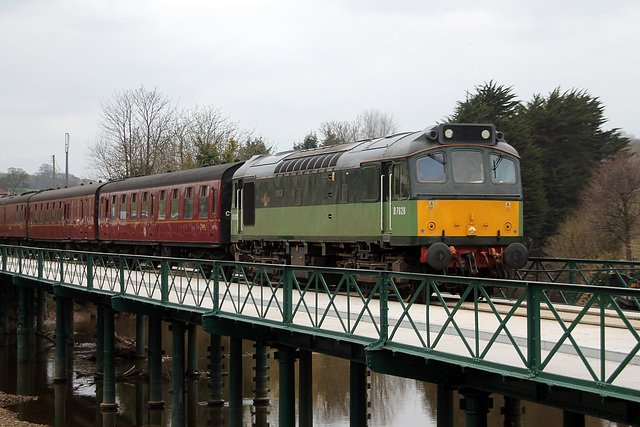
{"points": [[305, 388], [109, 378], [358, 394], [4, 308], [155, 364], [99, 340], [445, 406], [512, 412], [476, 405], [140, 335], [60, 372], [178, 375], [235, 382], [25, 323], [192, 350], [42, 308], [215, 371], [287, 386], [261, 391], [572, 419]]}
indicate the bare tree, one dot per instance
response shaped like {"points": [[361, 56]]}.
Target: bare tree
{"points": [[14, 179], [612, 199], [375, 124], [134, 134], [369, 124]]}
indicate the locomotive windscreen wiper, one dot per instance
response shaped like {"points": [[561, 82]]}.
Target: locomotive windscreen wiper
{"points": [[439, 160], [496, 163]]}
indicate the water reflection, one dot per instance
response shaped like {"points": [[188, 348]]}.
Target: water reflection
{"points": [[394, 401]]}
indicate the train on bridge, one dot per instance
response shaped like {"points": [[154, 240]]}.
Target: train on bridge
{"points": [[447, 198]]}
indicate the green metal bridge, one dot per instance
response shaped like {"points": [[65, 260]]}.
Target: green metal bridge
{"points": [[559, 334]]}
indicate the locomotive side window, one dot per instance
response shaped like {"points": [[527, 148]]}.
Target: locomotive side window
{"points": [[431, 168], [370, 184], [203, 202], [400, 181], [162, 205], [175, 203], [188, 203], [467, 167], [503, 170]]}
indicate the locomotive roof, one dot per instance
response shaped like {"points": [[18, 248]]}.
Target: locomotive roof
{"points": [[207, 173], [353, 154]]}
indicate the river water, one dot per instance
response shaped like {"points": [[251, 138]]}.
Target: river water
{"points": [[394, 401]]}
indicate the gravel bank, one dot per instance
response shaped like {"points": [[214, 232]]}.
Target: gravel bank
{"points": [[8, 418]]}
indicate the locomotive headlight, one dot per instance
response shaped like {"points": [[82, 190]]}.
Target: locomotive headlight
{"points": [[471, 230]]}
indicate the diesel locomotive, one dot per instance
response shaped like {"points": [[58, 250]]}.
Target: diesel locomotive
{"points": [[447, 198]]}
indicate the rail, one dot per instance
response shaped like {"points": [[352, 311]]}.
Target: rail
{"points": [[536, 336]]}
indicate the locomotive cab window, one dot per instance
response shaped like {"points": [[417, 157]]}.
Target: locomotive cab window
{"points": [[503, 170], [431, 168], [467, 166]]}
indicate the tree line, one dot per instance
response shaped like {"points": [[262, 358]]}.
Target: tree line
{"points": [[17, 180], [141, 133]]}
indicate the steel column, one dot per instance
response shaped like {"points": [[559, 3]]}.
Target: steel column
{"points": [[512, 412], [4, 307], [215, 371], [358, 394], [155, 363], [60, 374], [287, 388], [445, 406], [305, 388], [192, 350], [572, 419], [42, 306], [177, 377], [109, 377], [235, 382], [25, 322], [476, 405], [262, 390], [140, 336], [100, 340]]}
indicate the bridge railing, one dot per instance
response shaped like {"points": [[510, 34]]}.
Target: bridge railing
{"points": [[623, 274], [535, 335]]}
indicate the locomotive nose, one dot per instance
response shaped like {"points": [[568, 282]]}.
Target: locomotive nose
{"points": [[516, 255]]}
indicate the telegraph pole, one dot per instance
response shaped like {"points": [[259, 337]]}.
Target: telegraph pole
{"points": [[66, 151], [54, 171]]}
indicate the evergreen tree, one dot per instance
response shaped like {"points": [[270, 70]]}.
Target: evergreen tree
{"points": [[309, 141]]}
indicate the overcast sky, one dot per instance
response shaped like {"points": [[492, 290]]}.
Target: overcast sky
{"points": [[282, 67]]}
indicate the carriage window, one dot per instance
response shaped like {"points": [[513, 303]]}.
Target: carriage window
{"points": [[203, 202], [467, 167], [175, 203], [188, 203], [134, 207], [144, 205], [162, 205], [214, 202], [123, 207], [503, 170], [400, 181], [114, 207], [431, 168]]}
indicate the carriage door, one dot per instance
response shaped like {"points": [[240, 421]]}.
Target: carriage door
{"points": [[245, 204], [386, 226]]}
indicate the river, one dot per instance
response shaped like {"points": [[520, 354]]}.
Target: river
{"points": [[394, 401]]}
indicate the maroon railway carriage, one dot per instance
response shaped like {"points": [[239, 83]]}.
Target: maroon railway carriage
{"points": [[185, 213], [14, 215], [63, 216]]}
